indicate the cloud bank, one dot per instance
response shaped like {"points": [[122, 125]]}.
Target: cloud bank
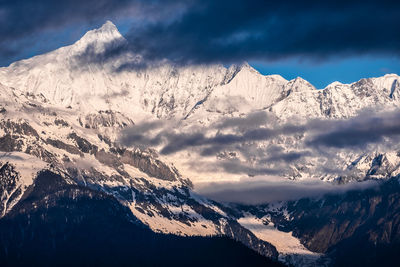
{"points": [[270, 189], [233, 31], [355, 133], [208, 31], [236, 141]]}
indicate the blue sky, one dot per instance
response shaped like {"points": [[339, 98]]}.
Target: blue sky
{"points": [[322, 73]]}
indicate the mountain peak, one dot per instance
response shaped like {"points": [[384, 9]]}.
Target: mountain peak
{"points": [[334, 84], [391, 75], [109, 27], [107, 32], [298, 85], [101, 37], [301, 82], [246, 66]]}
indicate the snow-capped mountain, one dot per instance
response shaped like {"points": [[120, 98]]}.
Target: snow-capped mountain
{"points": [[170, 91], [65, 112], [72, 77]]}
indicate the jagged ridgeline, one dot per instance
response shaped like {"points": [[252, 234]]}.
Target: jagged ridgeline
{"points": [[70, 186], [62, 223]]}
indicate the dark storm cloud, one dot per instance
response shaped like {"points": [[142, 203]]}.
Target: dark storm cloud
{"points": [[222, 31], [237, 30], [181, 141], [24, 17], [22, 22], [359, 132], [19, 18]]}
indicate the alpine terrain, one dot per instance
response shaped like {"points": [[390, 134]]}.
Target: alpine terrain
{"points": [[110, 160]]}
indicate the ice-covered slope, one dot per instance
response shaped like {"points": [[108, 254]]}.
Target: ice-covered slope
{"points": [[339, 100], [56, 75], [248, 90], [79, 76], [73, 76], [36, 135]]}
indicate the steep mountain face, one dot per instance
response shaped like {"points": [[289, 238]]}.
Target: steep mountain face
{"points": [[14, 183], [57, 222], [63, 79], [153, 191], [342, 100], [103, 93], [62, 115], [359, 228], [168, 91]]}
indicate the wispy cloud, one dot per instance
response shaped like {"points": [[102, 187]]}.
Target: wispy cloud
{"points": [[365, 133], [358, 132], [173, 138], [269, 189]]}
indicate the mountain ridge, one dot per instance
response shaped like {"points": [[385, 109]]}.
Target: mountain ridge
{"points": [[68, 119], [170, 99]]}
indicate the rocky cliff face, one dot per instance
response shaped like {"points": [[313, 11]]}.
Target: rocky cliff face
{"points": [[62, 222], [152, 191], [359, 228]]}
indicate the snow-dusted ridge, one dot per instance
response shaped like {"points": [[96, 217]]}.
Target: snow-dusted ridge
{"points": [[57, 110], [197, 96], [167, 91]]}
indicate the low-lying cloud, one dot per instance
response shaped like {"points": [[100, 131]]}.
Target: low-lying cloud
{"points": [[236, 141], [355, 133], [252, 127], [358, 132], [270, 189]]}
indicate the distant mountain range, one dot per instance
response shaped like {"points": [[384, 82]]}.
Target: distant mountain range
{"points": [[96, 145]]}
